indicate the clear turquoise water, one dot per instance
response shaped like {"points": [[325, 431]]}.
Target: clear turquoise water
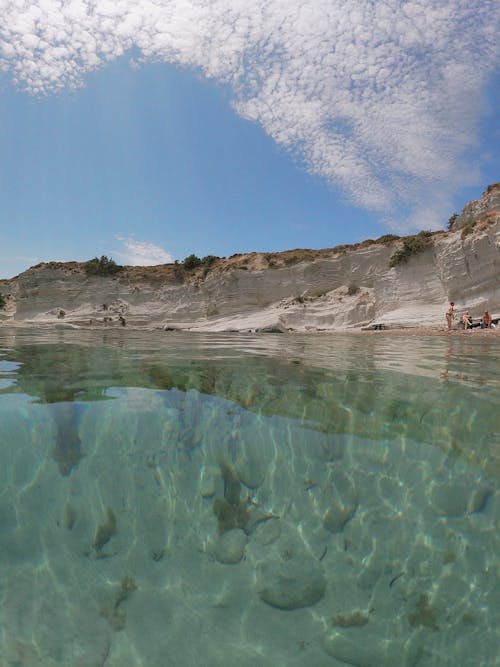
{"points": [[171, 499]]}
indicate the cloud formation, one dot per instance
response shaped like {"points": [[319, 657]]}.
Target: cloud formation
{"points": [[141, 253], [380, 97]]}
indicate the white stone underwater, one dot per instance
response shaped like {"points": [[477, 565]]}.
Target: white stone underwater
{"points": [[261, 501]]}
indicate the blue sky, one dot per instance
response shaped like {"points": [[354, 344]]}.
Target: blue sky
{"points": [[147, 132]]}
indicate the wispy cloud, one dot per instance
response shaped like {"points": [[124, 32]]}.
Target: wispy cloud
{"points": [[382, 99], [141, 253]]}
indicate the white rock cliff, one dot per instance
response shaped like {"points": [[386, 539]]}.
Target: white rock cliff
{"points": [[334, 289]]}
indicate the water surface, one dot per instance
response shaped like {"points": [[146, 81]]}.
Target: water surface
{"points": [[173, 499]]}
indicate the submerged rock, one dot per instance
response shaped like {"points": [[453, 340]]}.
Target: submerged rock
{"points": [[291, 584], [230, 546], [67, 452], [288, 575], [231, 511], [207, 483], [361, 649], [336, 518], [449, 499], [251, 467], [341, 500], [479, 499]]}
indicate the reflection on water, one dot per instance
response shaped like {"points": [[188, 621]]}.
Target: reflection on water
{"points": [[255, 500]]}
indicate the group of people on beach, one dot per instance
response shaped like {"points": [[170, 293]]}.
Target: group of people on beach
{"points": [[485, 323]]}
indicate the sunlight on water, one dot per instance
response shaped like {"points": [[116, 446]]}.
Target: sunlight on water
{"points": [[171, 499]]}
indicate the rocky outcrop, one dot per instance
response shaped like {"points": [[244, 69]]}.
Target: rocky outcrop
{"points": [[339, 288], [479, 210]]}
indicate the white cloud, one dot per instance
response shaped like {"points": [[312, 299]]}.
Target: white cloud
{"points": [[141, 253], [382, 99]]}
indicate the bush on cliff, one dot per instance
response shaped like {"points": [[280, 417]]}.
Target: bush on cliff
{"points": [[2, 302], [412, 245], [102, 266], [208, 260], [387, 238], [191, 262]]}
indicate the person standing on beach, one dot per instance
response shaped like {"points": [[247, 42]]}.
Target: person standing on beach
{"points": [[449, 314], [486, 320]]}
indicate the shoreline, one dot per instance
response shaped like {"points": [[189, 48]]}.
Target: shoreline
{"points": [[428, 330]]}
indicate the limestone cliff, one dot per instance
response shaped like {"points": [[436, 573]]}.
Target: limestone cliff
{"points": [[337, 288], [480, 210]]}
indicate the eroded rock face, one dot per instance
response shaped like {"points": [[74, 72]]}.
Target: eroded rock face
{"points": [[477, 210], [329, 290]]}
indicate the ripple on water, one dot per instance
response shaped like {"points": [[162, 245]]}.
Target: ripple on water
{"points": [[362, 475]]}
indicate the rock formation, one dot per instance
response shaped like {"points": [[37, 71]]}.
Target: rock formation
{"points": [[480, 210], [331, 289]]}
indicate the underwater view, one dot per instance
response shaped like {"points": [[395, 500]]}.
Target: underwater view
{"points": [[252, 500]]}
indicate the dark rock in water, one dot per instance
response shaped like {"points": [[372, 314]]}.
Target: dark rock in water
{"points": [[336, 518], [356, 619], [288, 575], [231, 511], [117, 617], [105, 531], [289, 584], [67, 452], [372, 650], [341, 501], [230, 547], [479, 499], [424, 614]]}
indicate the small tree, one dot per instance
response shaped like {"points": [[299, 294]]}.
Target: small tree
{"points": [[208, 260], [191, 262], [2, 302], [103, 266]]}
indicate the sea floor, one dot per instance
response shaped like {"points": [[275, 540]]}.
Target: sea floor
{"points": [[223, 502]]}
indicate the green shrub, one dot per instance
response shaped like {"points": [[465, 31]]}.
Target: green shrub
{"points": [[102, 266], [412, 245], [208, 260], [2, 302], [388, 238], [191, 262]]}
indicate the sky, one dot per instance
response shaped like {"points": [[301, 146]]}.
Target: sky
{"points": [[150, 130]]}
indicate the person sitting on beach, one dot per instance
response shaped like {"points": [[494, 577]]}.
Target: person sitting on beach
{"points": [[449, 314], [467, 320], [486, 320]]}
